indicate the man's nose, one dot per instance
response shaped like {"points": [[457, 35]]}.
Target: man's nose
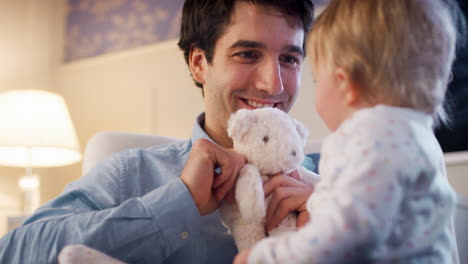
{"points": [[268, 77]]}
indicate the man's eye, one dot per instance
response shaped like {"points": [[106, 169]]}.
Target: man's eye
{"points": [[247, 55], [291, 60]]}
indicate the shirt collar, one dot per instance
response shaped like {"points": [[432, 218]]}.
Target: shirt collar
{"points": [[198, 132]]}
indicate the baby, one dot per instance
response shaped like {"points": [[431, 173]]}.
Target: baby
{"points": [[381, 70]]}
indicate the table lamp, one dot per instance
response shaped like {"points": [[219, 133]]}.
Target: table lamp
{"points": [[35, 131]]}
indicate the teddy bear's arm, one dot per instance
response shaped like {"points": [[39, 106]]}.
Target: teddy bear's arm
{"points": [[308, 176], [250, 195]]}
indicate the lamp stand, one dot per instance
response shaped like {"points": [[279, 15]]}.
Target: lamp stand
{"points": [[29, 185]]}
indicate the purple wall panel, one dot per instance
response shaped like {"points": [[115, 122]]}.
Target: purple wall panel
{"points": [[96, 27]]}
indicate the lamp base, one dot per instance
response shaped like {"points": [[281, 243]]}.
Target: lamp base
{"points": [[31, 194]]}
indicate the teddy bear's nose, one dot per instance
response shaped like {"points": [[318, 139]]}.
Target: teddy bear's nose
{"points": [[293, 153]]}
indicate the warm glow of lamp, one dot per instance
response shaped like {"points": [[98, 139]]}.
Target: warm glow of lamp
{"points": [[36, 131]]}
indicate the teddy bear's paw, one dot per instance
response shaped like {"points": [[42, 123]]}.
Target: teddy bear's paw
{"points": [[250, 195], [255, 212], [247, 235]]}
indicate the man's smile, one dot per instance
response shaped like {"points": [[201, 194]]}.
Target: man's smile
{"points": [[258, 104], [250, 103]]}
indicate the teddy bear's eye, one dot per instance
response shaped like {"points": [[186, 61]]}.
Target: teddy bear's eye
{"points": [[265, 139]]}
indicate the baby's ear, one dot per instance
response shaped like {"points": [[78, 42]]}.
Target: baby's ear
{"points": [[301, 130], [240, 123], [349, 86]]}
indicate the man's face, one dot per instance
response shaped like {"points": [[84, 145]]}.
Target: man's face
{"points": [[257, 63]]}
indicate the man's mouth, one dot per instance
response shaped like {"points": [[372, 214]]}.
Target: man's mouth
{"points": [[257, 104]]}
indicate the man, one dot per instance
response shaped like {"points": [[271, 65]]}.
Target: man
{"points": [[158, 205]]}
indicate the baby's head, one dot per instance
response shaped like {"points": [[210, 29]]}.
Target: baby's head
{"points": [[394, 52]]}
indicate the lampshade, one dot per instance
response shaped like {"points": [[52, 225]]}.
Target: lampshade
{"points": [[36, 130]]}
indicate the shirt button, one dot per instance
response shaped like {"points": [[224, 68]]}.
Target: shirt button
{"points": [[184, 235]]}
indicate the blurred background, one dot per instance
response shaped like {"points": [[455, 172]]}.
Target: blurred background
{"points": [[117, 66]]}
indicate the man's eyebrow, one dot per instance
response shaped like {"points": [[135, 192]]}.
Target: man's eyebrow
{"points": [[247, 44], [255, 44], [295, 49]]}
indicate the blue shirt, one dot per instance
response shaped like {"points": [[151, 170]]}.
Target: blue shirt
{"points": [[132, 206]]}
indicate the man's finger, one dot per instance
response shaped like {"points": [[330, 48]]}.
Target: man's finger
{"points": [[286, 200], [284, 208], [221, 176], [231, 196], [280, 180], [278, 197], [199, 173], [226, 164], [222, 191], [229, 164], [302, 218], [229, 174], [229, 185]]}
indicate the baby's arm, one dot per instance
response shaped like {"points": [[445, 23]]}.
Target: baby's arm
{"points": [[308, 176], [345, 214], [324, 240]]}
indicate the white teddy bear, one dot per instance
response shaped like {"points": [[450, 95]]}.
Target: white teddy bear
{"points": [[272, 142]]}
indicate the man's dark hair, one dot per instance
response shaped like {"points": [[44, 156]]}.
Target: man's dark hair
{"points": [[204, 21]]}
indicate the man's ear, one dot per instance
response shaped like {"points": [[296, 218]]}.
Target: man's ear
{"points": [[348, 87], [197, 64]]}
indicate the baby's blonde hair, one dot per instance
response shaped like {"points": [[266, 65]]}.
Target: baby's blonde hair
{"points": [[399, 51]]}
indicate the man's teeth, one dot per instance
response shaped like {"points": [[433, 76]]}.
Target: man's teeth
{"points": [[258, 105]]}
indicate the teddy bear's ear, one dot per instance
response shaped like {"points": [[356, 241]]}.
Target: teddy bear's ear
{"points": [[240, 123], [301, 130]]}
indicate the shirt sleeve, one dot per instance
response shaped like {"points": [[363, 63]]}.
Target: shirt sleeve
{"points": [[351, 210], [90, 212]]}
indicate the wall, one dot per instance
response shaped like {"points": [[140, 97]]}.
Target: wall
{"points": [[96, 27], [10, 196], [30, 49], [457, 170], [25, 44]]}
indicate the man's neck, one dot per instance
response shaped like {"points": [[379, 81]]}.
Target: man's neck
{"points": [[220, 136]]}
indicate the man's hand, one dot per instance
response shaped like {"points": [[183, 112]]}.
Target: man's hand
{"points": [[289, 194], [207, 186]]}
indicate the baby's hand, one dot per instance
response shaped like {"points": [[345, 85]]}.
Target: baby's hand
{"points": [[242, 257]]}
